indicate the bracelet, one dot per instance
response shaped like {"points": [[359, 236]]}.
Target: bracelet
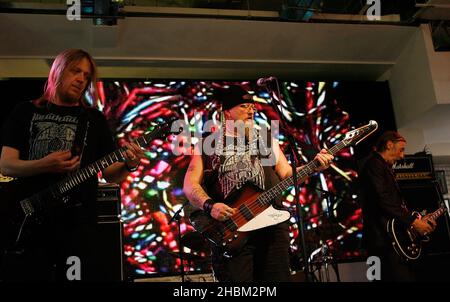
{"points": [[131, 169], [208, 205]]}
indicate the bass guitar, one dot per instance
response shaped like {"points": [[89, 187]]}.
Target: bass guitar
{"points": [[255, 207]]}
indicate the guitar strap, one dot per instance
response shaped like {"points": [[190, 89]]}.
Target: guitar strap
{"points": [[80, 134], [403, 204]]}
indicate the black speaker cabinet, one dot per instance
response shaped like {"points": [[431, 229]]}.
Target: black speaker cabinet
{"points": [[109, 245], [109, 251], [427, 196]]}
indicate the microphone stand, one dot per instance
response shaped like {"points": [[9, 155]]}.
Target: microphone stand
{"points": [[294, 159], [324, 194], [176, 216], [327, 256]]}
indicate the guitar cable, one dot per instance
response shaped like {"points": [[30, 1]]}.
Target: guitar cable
{"points": [[21, 228]]}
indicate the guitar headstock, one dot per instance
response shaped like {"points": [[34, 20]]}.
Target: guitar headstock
{"points": [[355, 136], [160, 130]]}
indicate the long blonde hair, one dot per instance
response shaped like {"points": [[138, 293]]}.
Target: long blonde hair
{"points": [[64, 60]]}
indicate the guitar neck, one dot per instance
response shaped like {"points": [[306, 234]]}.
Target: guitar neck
{"points": [[80, 176], [436, 214], [302, 173]]}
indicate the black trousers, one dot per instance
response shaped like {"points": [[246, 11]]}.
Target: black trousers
{"points": [[45, 255], [393, 268], [265, 257]]}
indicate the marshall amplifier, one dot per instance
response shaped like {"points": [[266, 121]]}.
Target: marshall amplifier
{"points": [[415, 168], [421, 191]]}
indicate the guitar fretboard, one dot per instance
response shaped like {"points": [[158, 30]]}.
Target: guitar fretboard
{"points": [[435, 215], [94, 168], [302, 173]]}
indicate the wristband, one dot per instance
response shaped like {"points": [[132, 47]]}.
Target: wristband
{"points": [[131, 169], [208, 205]]}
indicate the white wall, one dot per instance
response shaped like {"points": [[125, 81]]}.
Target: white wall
{"points": [[411, 83], [440, 68], [420, 90]]}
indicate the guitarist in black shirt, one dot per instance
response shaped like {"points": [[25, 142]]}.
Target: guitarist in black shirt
{"points": [[44, 140], [382, 201]]}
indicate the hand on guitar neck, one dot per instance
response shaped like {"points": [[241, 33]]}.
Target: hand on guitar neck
{"points": [[424, 225], [133, 155], [324, 159]]}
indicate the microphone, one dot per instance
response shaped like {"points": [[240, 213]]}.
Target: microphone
{"points": [[264, 81]]}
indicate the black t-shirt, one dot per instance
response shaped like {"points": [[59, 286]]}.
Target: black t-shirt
{"points": [[39, 131], [228, 173]]}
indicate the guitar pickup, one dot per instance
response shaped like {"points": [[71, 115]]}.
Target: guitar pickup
{"points": [[246, 212]]}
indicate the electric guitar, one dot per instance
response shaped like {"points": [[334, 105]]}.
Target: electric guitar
{"points": [[255, 207], [26, 202], [406, 241]]}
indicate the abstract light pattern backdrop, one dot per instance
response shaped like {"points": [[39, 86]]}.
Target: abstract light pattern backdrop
{"points": [[318, 117]]}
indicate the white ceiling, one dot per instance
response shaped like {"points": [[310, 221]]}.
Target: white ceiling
{"points": [[203, 48]]}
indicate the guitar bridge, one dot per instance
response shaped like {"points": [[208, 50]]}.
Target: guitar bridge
{"points": [[27, 207]]}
